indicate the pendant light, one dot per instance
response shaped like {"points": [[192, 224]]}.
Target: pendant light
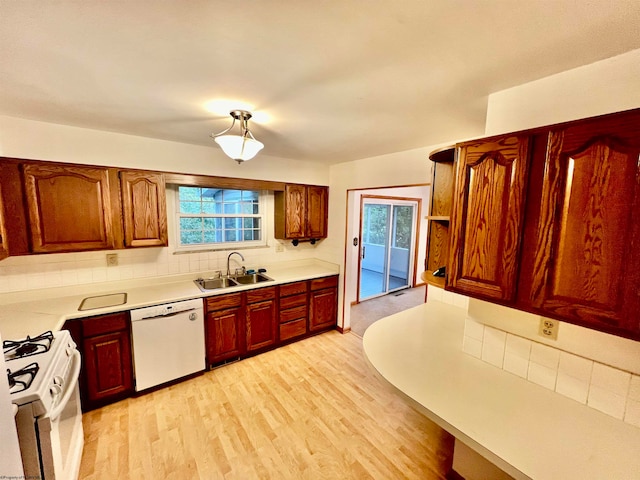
{"points": [[240, 147]]}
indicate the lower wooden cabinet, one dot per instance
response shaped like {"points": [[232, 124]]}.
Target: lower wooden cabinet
{"points": [[323, 303], [224, 328], [246, 323], [294, 310], [261, 319], [104, 342]]}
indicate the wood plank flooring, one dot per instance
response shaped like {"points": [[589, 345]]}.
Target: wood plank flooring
{"points": [[310, 410]]}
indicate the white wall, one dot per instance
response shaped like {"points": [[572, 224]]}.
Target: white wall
{"points": [[603, 87], [608, 86], [29, 139]]}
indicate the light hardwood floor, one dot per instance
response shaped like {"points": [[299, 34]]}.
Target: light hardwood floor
{"points": [[310, 410]]}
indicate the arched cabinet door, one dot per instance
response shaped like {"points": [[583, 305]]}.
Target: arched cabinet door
{"points": [[144, 209], [487, 217], [586, 258], [69, 208]]}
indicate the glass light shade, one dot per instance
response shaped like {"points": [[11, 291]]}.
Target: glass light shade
{"points": [[238, 147]]}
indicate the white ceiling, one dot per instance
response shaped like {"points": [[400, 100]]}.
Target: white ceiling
{"points": [[339, 79]]}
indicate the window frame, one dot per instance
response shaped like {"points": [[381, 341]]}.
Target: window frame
{"points": [[262, 215]]}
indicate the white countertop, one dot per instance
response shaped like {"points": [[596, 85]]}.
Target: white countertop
{"points": [[523, 428], [35, 311]]}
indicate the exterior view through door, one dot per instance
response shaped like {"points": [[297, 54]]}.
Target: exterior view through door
{"points": [[387, 245]]}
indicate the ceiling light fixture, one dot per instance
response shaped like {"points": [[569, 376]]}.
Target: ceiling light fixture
{"points": [[241, 147]]}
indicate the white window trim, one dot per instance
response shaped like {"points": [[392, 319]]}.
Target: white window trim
{"points": [[263, 205]]}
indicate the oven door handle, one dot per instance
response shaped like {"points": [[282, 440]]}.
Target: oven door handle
{"points": [[71, 386]]}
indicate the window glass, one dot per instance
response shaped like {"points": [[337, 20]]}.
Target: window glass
{"points": [[209, 216]]}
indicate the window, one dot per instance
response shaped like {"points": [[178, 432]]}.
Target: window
{"points": [[209, 216]]}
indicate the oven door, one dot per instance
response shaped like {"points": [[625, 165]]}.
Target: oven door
{"points": [[60, 431]]}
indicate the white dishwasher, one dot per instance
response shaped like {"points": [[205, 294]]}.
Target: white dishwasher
{"points": [[168, 342]]}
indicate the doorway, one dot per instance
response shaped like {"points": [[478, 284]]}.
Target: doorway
{"points": [[387, 245]]}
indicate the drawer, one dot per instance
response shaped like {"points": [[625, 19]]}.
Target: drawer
{"points": [[293, 288], [113, 322], [293, 301], [293, 314], [327, 282], [220, 302], [293, 329], [261, 294]]}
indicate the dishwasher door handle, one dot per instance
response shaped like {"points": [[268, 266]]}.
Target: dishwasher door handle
{"points": [[167, 315]]}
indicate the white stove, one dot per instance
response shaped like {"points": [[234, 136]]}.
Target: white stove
{"points": [[43, 383]]}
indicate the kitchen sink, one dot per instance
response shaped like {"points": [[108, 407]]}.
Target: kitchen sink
{"points": [[215, 283], [251, 278], [206, 284]]}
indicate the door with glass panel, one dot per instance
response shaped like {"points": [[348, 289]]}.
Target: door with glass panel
{"points": [[387, 245]]}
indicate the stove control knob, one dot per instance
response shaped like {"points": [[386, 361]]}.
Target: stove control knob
{"points": [[58, 380], [55, 390]]}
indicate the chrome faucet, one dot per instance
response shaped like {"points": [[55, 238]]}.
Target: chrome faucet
{"points": [[229, 259]]}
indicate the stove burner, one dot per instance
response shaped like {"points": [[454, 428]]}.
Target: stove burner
{"points": [[22, 379], [27, 347]]}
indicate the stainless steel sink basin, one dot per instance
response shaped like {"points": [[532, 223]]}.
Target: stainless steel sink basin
{"points": [[251, 278], [215, 283]]}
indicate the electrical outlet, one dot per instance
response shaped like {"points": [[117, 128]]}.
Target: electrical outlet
{"points": [[548, 328], [279, 248], [112, 259]]}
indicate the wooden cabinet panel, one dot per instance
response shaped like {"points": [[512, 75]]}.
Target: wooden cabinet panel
{"points": [[69, 208], [301, 212], [488, 217], [295, 211], [108, 365], [144, 209], [261, 325], [317, 205], [220, 302], [293, 301], [324, 282], [323, 309], [224, 335], [293, 288], [587, 263], [293, 329]]}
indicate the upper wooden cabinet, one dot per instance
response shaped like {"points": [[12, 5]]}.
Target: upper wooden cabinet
{"points": [[439, 214], [69, 208], [144, 209], [587, 257], [488, 216], [49, 207], [548, 221], [301, 212]]}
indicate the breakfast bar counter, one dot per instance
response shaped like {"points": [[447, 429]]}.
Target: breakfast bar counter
{"points": [[523, 428]]}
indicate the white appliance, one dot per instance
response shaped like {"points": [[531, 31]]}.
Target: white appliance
{"points": [[43, 383], [168, 342]]}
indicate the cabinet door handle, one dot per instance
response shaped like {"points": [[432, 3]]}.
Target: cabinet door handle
{"points": [[363, 251]]}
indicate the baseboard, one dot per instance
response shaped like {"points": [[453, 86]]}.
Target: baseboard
{"points": [[453, 475], [343, 330]]}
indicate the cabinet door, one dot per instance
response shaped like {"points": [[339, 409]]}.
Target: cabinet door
{"points": [[68, 208], [225, 336], [317, 204], [323, 311], [144, 209], [261, 324], [587, 262], [487, 217], [108, 365], [295, 211]]}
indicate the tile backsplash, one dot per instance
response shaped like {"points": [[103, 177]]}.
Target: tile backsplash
{"points": [[610, 390], [32, 272]]}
